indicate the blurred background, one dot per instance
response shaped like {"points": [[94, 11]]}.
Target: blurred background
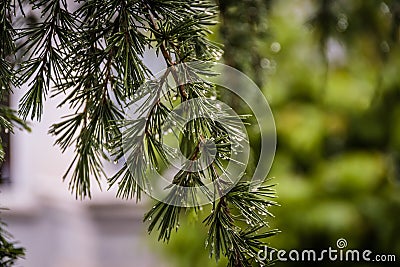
{"points": [[330, 71]]}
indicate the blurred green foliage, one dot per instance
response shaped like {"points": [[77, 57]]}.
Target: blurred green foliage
{"points": [[330, 70]]}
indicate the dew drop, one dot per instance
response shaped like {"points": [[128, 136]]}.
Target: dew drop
{"points": [[384, 8], [265, 63], [275, 47]]}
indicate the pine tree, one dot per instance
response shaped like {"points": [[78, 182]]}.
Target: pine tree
{"points": [[91, 53]]}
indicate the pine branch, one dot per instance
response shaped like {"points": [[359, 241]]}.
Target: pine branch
{"points": [[8, 117], [9, 251], [43, 42], [240, 244], [92, 57]]}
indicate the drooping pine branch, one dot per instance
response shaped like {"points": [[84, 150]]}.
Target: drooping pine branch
{"points": [[10, 252], [91, 55], [8, 116]]}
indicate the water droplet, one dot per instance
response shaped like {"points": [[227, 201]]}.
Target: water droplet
{"points": [[213, 97], [149, 218], [157, 136], [170, 130], [264, 63], [385, 47], [174, 98], [342, 23], [115, 161], [384, 8], [275, 47]]}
